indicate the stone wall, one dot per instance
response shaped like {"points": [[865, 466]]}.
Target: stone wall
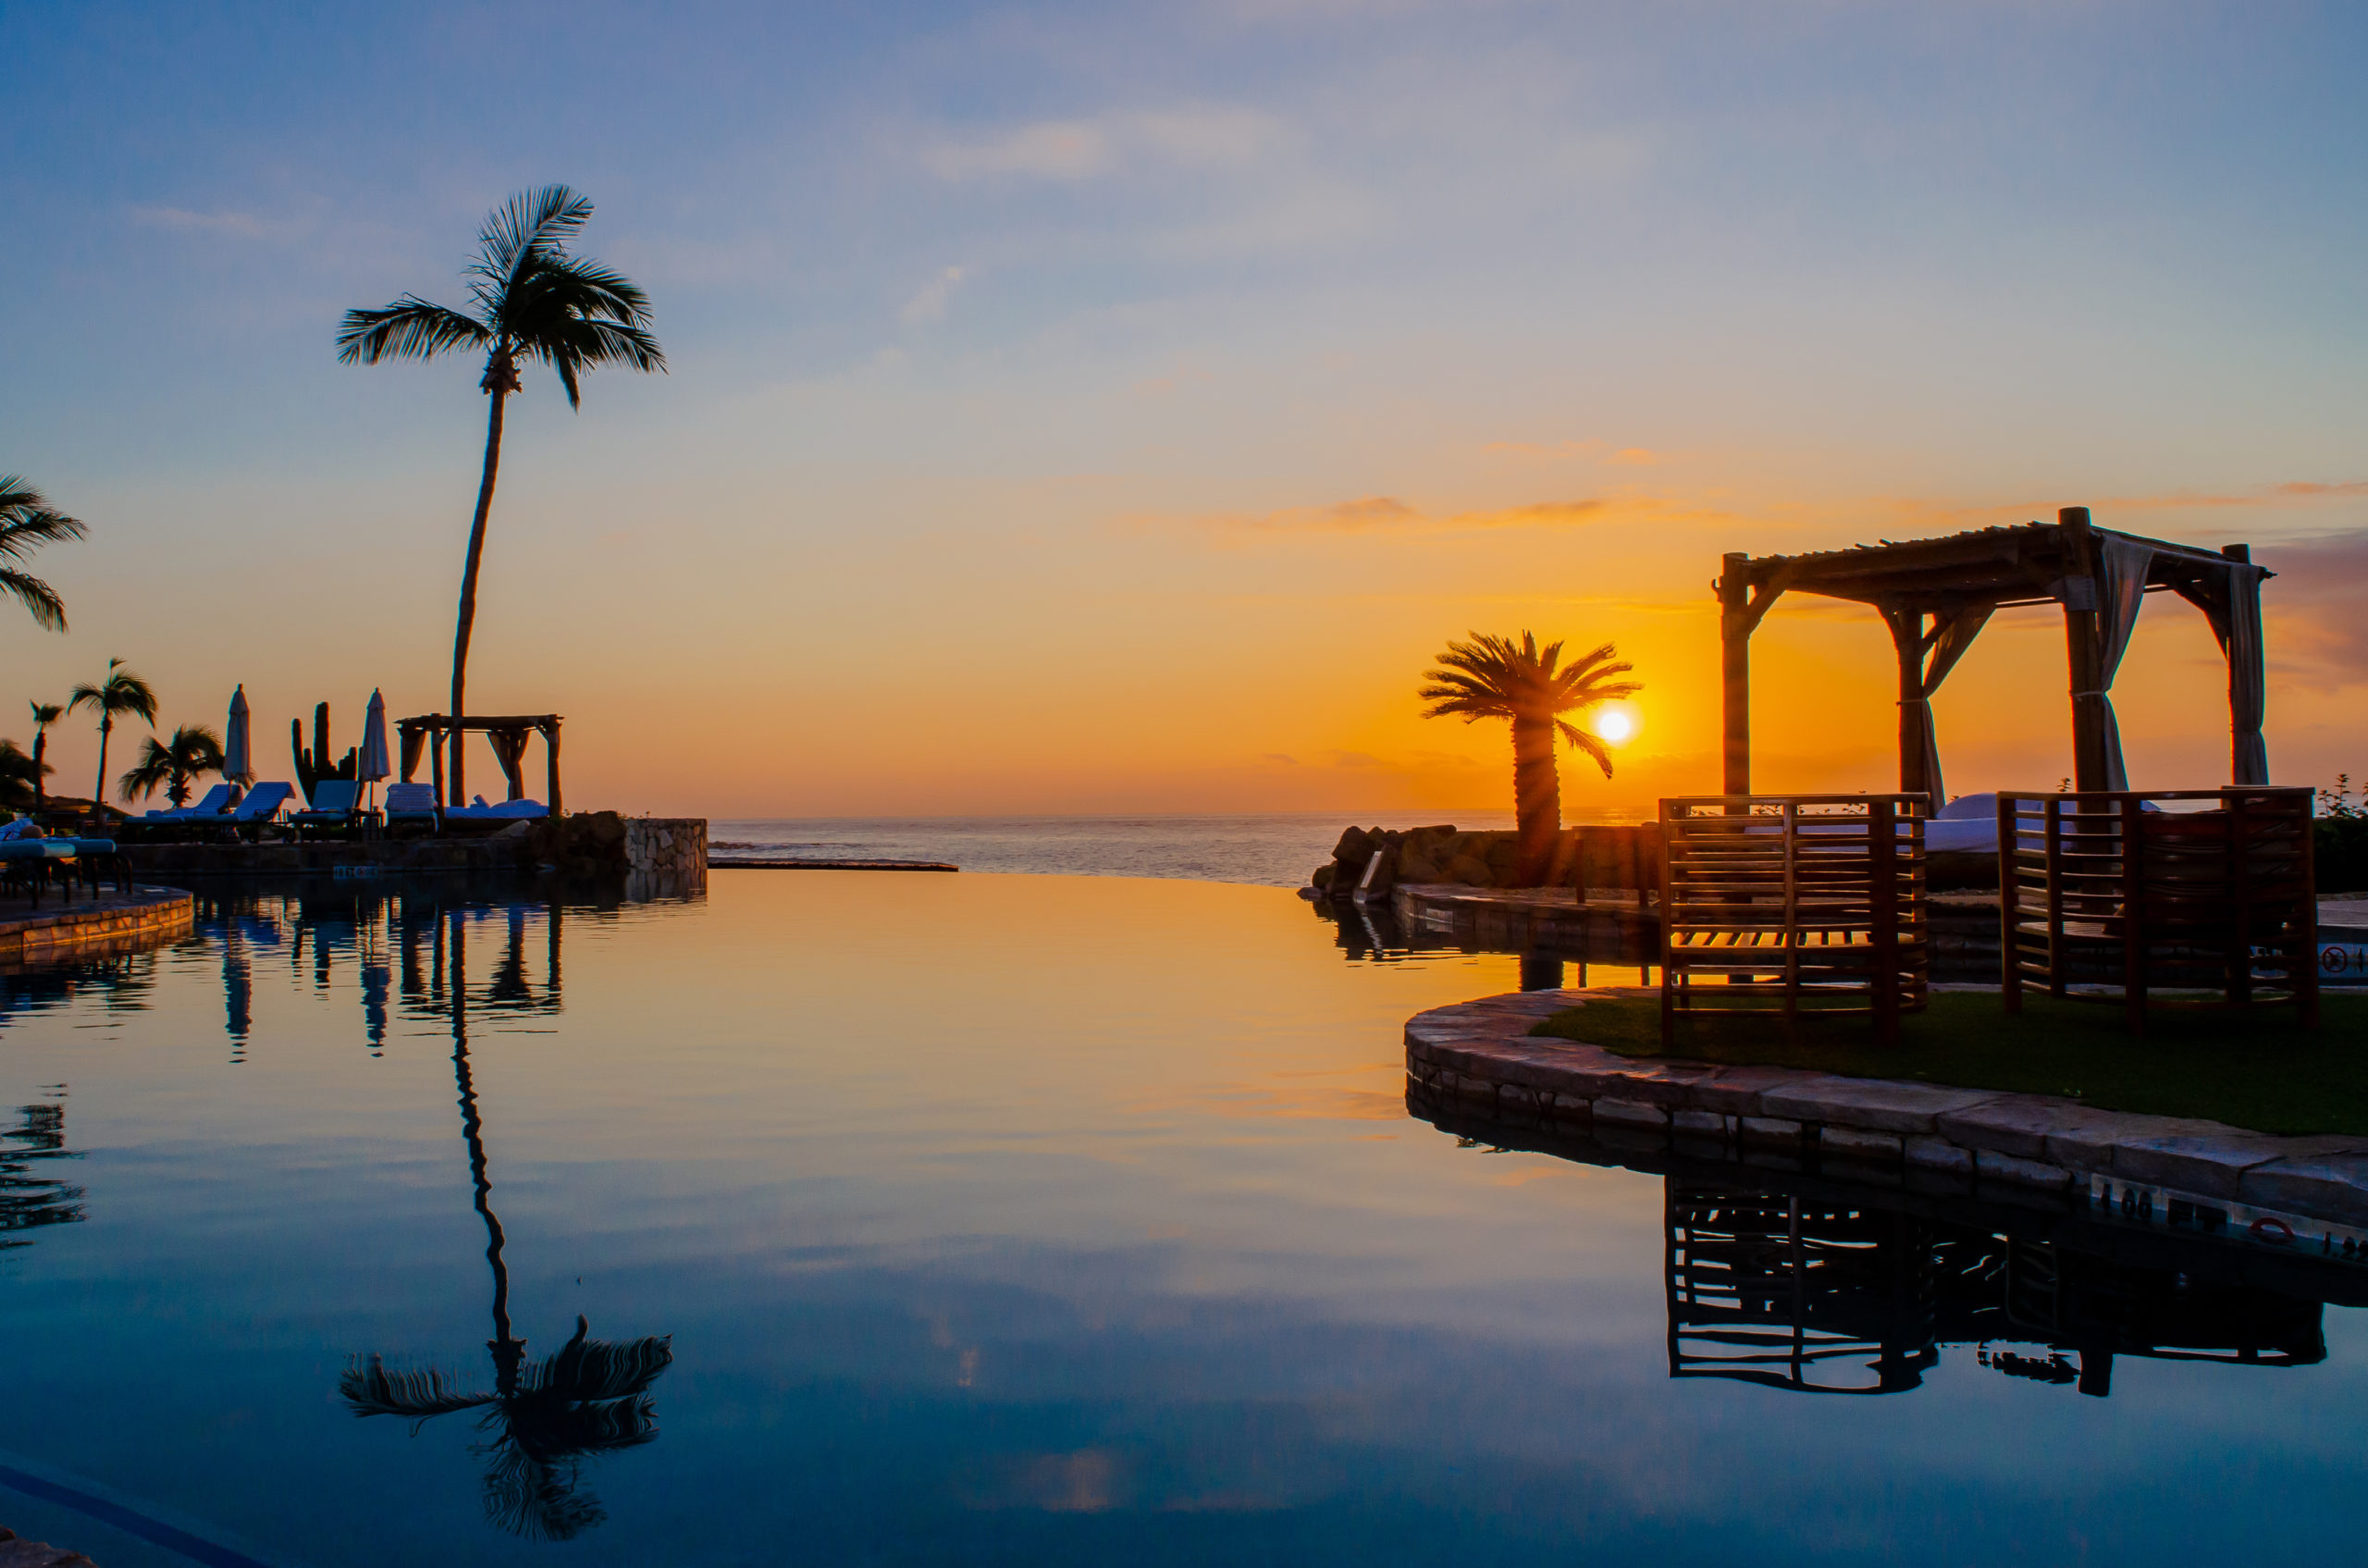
{"points": [[666, 846], [106, 925], [1609, 859]]}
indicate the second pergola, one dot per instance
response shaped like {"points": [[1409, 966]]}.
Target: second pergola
{"points": [[1936, 594]]}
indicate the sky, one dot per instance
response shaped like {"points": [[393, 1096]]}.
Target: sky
{"points": [[1086, 409]]}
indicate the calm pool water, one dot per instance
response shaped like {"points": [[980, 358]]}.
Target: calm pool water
{"points": [[980, 1219]]}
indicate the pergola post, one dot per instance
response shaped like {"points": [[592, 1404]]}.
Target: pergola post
{"points": [[2080, 646], [550, 760], [1907, 641], [2241, 641], [1736, 623]]}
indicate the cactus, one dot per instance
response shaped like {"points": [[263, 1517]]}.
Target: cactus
{"points": [[312, 766]]}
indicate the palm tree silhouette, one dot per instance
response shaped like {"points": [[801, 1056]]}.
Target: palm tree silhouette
{"points": [[534, 301], [44, 715], [1497, 678], [193, 749], [541, 1420], [121, 692], [27, 523]]}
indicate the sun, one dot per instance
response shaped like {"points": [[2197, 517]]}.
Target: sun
{"points": [[1616, 721]]}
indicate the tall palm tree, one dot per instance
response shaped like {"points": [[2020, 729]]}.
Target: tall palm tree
{"points": [[44, 715], [535, 301], [27, 523], [193, 749], [1498, 678], [542, 1420], [121, 692]]}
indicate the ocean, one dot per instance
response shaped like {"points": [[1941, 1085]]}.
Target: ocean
{"points": [[1277, 850]]}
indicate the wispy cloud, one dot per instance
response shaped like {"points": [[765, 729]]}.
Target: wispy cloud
{"points": [[1199, 136], [2316, 632], [1369, 514], [931, 302]]}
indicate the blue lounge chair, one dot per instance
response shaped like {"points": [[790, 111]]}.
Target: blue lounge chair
{"points": [[413, 803], [28, 863], [260, 809], [212, 807], [507, 811], [214, 803], [337, 803]]}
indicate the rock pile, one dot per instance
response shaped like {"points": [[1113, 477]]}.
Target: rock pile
{"points": [[1432, 854]]}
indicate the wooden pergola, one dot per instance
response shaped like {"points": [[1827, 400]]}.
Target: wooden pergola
{"points": [[1936, 594], [509, 735]]}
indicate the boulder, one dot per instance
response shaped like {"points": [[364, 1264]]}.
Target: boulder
{"points": [[1470, 870]]}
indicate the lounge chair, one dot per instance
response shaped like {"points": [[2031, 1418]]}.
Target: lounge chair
{"points": [[337, 803], [259, 809], [28, 863], [212, 807], [413, 803], [493, 817], [98, 859]]}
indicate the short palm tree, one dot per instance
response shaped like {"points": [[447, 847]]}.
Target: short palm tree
{"points": [[121, 692], [27, 523], [535, 301], [194, 749], [44, 715], [19, 784], [1498, 678]]}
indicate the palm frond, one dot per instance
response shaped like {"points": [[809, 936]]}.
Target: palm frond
{"points": [[522, 230], [528, 1496], [594, 1369], [372, 1389], [46, 713], [121, 692], [409, 328], [27, 520], [1592, 744], [41, 601]]}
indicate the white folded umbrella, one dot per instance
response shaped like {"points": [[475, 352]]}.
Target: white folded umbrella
{"points": [[238, 758]]}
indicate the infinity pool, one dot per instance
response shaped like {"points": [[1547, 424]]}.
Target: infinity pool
{"points": [[973, 1219]]}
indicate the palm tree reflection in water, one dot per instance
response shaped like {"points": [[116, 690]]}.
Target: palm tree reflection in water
{"points": [[541, 1419]]}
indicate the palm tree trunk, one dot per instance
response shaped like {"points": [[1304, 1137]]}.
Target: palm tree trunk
{"points": [[499, 378], [1537, 800], [98, 794], [41, 749]]}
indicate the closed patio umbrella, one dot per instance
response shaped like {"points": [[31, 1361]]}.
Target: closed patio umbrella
{"points": [[372, 765], [237, 756]]}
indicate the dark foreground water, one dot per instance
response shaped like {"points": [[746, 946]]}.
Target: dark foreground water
{"points": [[1017, 1219]]}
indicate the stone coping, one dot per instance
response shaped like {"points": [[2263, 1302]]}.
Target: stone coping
{"points": [[113, 921], [1481, 1053]]}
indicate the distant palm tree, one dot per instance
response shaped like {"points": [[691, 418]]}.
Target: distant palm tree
{"points": [[19, 776], [193, 749], [121, 692], [26, 524], [534, 301], [44, 715], [1497, 678]]}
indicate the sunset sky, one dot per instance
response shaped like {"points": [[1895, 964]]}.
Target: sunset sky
{"points": [[1090, 408]]}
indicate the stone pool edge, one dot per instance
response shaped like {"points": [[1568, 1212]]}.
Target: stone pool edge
{"points": [[1480, 1054], [148, 914]]}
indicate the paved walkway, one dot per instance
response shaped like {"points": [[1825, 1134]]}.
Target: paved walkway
{"points": [[2287, 1191]]}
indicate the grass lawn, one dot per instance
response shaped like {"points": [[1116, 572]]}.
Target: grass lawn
{"points": [[2256, 1069]]}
